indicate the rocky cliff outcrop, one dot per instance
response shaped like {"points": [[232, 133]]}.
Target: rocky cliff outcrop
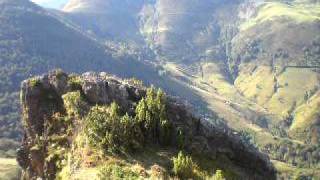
{"points": [[42, 98]]}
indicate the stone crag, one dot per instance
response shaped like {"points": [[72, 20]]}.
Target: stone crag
{"points": [[41, 98]]}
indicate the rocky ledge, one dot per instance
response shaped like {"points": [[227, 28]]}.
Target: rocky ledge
{"points": [[42, 96]]}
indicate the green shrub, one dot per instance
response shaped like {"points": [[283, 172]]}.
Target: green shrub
{"points": [[116, 172], [34, 82], [218, 175], [107, 129], [74, 104], [183, 166], [151, 114], [75, 82]]}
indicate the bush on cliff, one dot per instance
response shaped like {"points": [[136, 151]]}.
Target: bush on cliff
{"points": [[110, 130]]}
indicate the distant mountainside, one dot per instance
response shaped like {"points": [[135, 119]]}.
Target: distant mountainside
{"points": [[33, 41], [258, 48], [115, 21]]}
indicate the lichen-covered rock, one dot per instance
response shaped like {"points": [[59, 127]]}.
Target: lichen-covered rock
{"points": [[47, 100]]}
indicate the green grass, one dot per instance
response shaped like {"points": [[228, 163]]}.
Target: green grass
{"points": [[306, 114], [285, 170], [8, 169], [257, 85], [291, 85], [299, 12]]}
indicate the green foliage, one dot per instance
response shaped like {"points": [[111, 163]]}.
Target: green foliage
{"points": [[294, 154], [57, 154], [183, 166], [247, 138], [75, 82], [34, 82], [165, 132], [107, 129], [9, 115], [74, 104], [151, 113], [218, 175], [116, 172]]}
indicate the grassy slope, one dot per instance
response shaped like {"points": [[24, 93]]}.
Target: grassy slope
{"points": [[306, 114], [289, 170], [232, 104], [223, 98], [279, 94], [282, 93], [8, 168], [300, 12], [141, 163]]}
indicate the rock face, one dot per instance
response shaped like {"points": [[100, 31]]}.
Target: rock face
{"points": [[42, 98]]}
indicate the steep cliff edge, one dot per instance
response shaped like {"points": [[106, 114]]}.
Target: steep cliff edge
{"points": [[59, 110]]}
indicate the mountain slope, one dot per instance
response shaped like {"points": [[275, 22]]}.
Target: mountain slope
{"points": [[115, 21], [276, 55], [255, 63], [33, 42]]}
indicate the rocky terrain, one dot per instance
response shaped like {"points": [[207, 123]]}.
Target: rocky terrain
{"points": [[43, 97]]}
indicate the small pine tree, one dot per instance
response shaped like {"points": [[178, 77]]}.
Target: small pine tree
{"points": [[183, 166], [141, 110], [152, 116], [218, 175]]}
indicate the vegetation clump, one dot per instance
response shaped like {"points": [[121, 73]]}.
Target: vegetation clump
{"points": [[183, 166], [75, 82], [218, 175], [109, 129], [151, 114], [74, 104], [34, 82], [115, 171]]}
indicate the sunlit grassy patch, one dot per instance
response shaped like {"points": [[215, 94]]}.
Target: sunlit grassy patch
{"points": [[8, 168], [306, 114], [284, 168], [257, 85], [292, 86], [298, 12], [280, 94]]}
